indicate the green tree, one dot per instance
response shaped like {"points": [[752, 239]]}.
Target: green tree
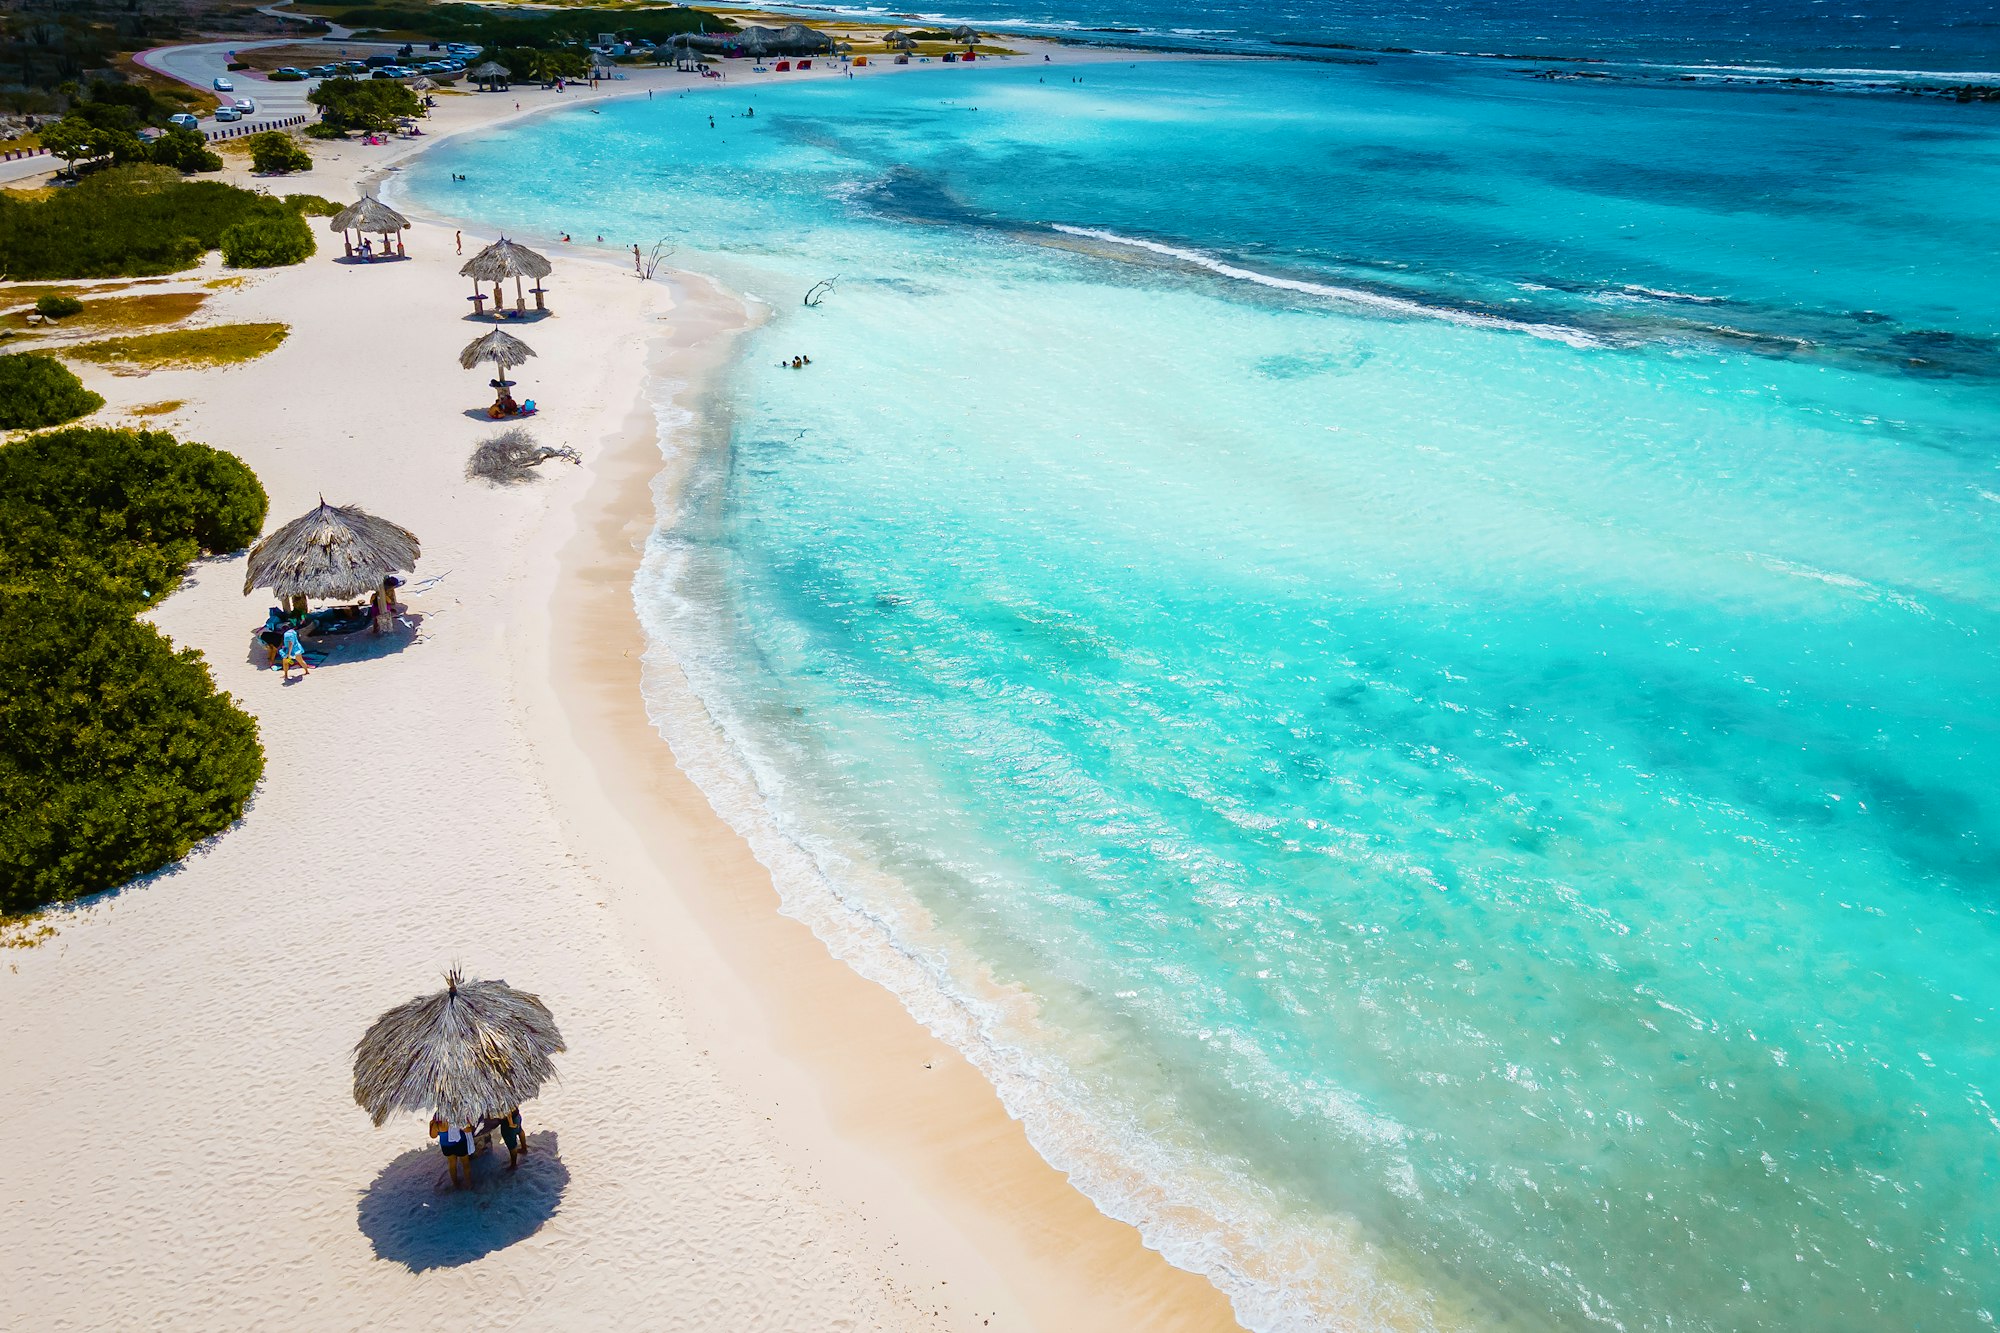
{"points": [[363, 104], [186, 151], [278, 153], [73, 140]]}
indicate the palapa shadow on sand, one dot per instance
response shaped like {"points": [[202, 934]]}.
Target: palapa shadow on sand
{"points": [[413, 1217], [525, 317]]}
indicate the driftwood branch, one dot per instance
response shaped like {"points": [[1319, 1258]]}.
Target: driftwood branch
{"points": [[820, 290], [509, 458], [657, 256]]}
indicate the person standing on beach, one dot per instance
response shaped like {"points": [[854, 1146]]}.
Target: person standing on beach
{"points": [[456, 1145], [458, 239], [290, 650], [637, 267], [515, 1136]]}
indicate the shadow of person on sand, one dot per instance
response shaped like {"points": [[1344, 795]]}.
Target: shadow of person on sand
{"points": [[413, 1217]]}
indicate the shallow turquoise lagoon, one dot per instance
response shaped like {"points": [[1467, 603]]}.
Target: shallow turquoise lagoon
{"points": [[1404, 655]]}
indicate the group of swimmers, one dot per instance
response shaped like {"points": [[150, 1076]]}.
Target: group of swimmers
{"points": [[796, 363]]}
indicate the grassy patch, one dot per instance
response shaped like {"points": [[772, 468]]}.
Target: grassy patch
{"points": [[159, 409], [182, 349], [227, 284], [114, 313]]}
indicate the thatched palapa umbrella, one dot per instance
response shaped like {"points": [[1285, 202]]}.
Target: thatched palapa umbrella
{"points": [[491, 75], [366, 215], [332, 552], [508, 259], [474, 1049], [503, 349]]}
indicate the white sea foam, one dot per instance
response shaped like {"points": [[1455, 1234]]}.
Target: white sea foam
{"points": [[1349, 295], [1665, 295], [1282, 1274]]}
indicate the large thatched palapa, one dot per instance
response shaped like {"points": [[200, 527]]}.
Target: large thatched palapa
{"points": [[366, 215], [502, 260], [474, 1049], [332, 553], [491, 75]]}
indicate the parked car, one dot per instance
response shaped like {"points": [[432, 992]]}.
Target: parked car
{"points": [[183, 121], [323, 71], [223, 85], [227, 113], [247, 105]]}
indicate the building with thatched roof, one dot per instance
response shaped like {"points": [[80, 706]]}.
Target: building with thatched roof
{"points": [[369, 214], [507, 259], [474, 1049], [331, 553], [491, 76]]}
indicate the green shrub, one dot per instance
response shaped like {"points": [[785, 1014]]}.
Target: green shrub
{"points": [[277, 152], [116, 754], [134, 507], [312, 205], [320, 129], [38, 390], [58, 307], [123, 222], [268, 242], [186, 151]]}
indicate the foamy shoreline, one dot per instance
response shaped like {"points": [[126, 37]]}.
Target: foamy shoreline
{"points": [[752, 1135]]}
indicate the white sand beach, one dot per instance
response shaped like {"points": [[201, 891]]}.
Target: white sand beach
{"points": [[745, 1135]]}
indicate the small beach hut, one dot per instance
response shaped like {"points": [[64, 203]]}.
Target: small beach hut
{"points": [[474, 1049], [902, 41], [505, 351], [964, 34], [491, 76], [502, 260], [369, 215], [333, 553]]}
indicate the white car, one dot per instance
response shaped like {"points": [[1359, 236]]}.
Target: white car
{"points": [[227, 113], [247, 105], [223, 85]]}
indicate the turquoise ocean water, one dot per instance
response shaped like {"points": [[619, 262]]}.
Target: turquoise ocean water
{"points": [[1404, 655]]}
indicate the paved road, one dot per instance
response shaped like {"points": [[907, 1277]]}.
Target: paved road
{"points": [[199, 64]]}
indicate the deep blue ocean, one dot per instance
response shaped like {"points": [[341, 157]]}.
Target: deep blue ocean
{"points": [[1810, 37], [1403, 653]]}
